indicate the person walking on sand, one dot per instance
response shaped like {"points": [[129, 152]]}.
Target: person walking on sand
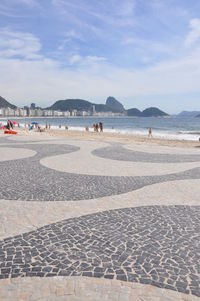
{"points": [[101, 126], [150, 133]]}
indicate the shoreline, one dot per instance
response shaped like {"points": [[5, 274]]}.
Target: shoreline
{"points": [[112, 137], [167, 132]]}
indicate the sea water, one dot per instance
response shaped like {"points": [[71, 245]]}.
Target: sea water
{"points": [[169, 128]]}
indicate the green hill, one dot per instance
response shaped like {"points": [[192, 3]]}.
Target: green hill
{"points": [[81, 105], [149, 112], [134, 112], [5, 104], [114, 104], [153, 112], [71, 104]]}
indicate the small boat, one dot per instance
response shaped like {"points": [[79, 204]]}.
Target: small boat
{"points": [[10, 132]]}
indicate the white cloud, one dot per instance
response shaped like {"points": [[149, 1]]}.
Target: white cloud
{"points": [[113, 13], [95, 59], [86, 60], [194, 34], [14, 8], [45, 80], [75, 59], [72, 34], [93, 77], [69, 36], [14, 44], [26, 2]]}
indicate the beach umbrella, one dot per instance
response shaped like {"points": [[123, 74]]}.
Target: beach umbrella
{"points": [[34, 122]]}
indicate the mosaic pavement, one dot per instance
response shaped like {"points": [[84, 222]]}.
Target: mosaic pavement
{"points": [[118, 152], [156, 246], [26, 179]]}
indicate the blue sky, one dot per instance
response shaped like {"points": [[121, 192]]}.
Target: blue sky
{"points": [[143, 52]]}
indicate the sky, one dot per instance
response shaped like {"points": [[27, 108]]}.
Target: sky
{"points": [[143, 52]]}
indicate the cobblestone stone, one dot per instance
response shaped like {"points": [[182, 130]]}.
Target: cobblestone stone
{"points": [[154, 245], [148, 250], [118, 152], [27, 179]]}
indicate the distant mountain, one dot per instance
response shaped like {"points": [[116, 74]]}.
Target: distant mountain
{"points": [[134, 112], [149, 112], [84, 105], [71, 104], [5, 104], [114, 104], [153, 112], [189, 114]]}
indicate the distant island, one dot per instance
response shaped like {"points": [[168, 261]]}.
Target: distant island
{"points": [[189, 114], [149, 112], [77, 107]]}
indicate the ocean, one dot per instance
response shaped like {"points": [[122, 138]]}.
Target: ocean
{"points": [[168, 128]]}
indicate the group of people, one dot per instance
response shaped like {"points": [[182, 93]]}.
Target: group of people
{"points": [[98, 127], [48, 126], [9, 125]]}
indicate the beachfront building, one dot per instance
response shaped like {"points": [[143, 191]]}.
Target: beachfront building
{"points": [[32, 113], [84, 113], [2, 112], [74, 113], [20, 112], [107, 114], [93, 110], [66, 114], [7, 112], [48, 113], [57, 113], [39, 112], [33, 106]]}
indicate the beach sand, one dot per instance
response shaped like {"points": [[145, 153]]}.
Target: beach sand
{"points": [[111, 137]]}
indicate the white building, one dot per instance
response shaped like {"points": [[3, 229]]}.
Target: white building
{"points": [[23, 112], [58, 113], [66, 113], [9, 112], [74, 113], [38, 113], [48, 113], [2, 111]]}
